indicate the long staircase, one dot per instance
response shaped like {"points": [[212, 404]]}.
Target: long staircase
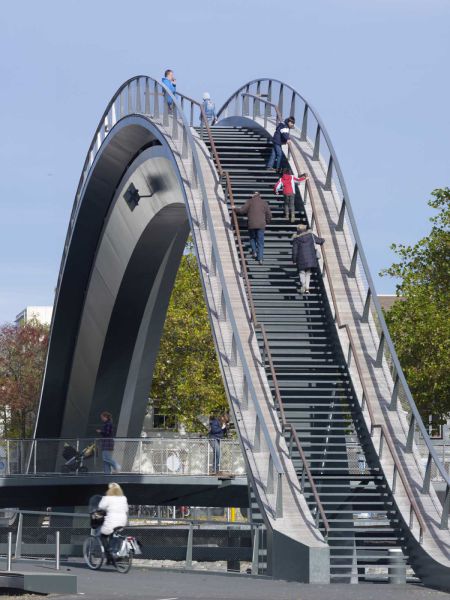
{"points": [[312, 376]]}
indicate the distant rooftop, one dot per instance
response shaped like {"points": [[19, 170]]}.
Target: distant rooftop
{"points": [[388, 300]]}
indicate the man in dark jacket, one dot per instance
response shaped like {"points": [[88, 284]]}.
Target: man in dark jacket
{"points": [[258, 216], [304, 255], [280, 138], [215, 434], [107, 433]]}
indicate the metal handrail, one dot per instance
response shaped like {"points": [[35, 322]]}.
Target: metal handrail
{"points": [[358, 252], [257, 324], [365, 398], [134, 106]]}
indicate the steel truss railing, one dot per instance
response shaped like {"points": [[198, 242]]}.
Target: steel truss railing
{"points": [[264, 100], [143, 456], [143, 95]]}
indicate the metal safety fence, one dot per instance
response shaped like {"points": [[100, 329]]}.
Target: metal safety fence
{"points": [[185, 543], [144, 456]]}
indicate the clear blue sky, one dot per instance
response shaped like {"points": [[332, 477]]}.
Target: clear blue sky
{"points": [[378, 72]]}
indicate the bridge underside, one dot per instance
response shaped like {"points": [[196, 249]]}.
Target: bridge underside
{"points": [[182, 490]]}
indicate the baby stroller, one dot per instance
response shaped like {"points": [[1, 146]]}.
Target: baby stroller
{"points": [[75, 459]]}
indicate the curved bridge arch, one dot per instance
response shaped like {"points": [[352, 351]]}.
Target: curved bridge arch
{"points": [[108, 319]]}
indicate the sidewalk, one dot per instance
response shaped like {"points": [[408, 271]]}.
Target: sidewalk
{"points": [[159, 584]]}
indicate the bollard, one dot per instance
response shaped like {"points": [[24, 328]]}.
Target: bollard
{"points": [[9, 556], [57, 551], [397, 566]]}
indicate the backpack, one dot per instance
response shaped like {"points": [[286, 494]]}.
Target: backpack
{"points": [[215, 427]]}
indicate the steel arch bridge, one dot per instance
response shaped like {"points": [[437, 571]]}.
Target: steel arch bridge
{"points": [[309, 380]]}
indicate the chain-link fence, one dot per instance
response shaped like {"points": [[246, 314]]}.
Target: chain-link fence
{"points": [[182, 542]]}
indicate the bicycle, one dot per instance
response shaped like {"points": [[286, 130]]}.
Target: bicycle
{"points": [[94, 552]]}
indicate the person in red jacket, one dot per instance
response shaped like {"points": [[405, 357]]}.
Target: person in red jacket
{"points": [[287, 183]]}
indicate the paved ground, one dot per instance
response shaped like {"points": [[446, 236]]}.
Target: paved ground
{"points": [[159, 584]]}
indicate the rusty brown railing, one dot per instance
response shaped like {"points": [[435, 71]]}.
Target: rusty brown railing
{"points": [[225, 176]]}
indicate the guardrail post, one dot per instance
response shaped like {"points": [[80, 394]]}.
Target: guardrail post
{"points": [[138, 96], [279, 499], [445, 508], [165, 109], [317, 144], [280, 99], [121, 112], [257, 103], [245, 393], [340, 223], [185, 145], [57, 551], [329, 174], [9, 552], [174, 122], [189, 546], [304, 132], [270, 482], [411, 431], [255, 552], [34, 456], [8, 458], [233, 357], [129, 100], [257, 438], [292, 109], [156, 100], [18, 549], [269, 91], [427, 478], [365, 313], [223, 307], [352, 270], [379, 359], [147, 96], [394, 397]]}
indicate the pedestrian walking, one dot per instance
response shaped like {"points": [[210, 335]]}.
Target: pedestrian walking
{"points": [[170, 82], [210, 109], [280, 138], [304, 255], [107, 433], [258, 216], [215, 434], [287, 184]]}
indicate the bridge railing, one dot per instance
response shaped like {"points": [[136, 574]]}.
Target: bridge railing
{"points": [[184, 540], [174, 116], [144, 456], [266, 100]]}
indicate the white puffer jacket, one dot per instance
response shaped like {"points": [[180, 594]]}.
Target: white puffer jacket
{"points": [[116, 508]]}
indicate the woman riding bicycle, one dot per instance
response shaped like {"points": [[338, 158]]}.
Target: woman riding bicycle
{"points": [[115, 505]]}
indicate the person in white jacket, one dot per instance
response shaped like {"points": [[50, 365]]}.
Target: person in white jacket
{"points": [[115, 505]]}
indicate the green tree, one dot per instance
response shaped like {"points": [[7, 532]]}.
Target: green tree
{"points": [[187, 382], [23, 350], [420, 323]]}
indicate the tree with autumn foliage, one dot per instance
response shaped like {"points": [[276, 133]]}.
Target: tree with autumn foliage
{"points": [[420, 324], [187, 382], [23, 351]]}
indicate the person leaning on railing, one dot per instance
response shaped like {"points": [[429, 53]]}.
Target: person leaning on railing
{"points": [[280, 138], [215, 434], [170, 82]]}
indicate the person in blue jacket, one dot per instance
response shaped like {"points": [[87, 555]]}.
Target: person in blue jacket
{"points": [[280, 138], [170, 82], [215, 434]]}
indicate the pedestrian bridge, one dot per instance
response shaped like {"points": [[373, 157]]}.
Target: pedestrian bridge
{"points": [[325, 419], [154, 471]]}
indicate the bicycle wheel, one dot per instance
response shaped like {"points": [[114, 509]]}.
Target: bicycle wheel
{"points": [[123, 563], [93, 552]]}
